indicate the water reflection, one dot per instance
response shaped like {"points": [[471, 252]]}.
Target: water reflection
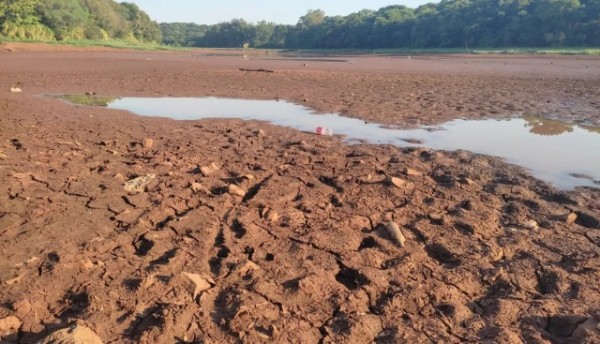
{"points": [[552, 150], [545, 126]]}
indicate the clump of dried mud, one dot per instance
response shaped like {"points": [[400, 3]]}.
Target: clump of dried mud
{"points": [[245, 232]]}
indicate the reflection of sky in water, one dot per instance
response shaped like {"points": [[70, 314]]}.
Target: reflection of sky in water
{"points": [[552, 150]]}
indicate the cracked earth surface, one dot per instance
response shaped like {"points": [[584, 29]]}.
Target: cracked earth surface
{"points": [[245, 232]]}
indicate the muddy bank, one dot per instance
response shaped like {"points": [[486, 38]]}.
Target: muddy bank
{"points": [[422, 90], [247, 232]]}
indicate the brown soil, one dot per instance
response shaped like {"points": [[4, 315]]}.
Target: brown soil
{"points": [[285, 240]]}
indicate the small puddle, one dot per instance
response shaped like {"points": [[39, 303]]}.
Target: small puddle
{"points": [[567, 155]]}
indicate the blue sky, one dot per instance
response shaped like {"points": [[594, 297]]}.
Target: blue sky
{"points": [[278, 11]]}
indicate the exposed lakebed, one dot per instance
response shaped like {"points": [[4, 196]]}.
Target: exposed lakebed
{"points": [[561, 153]]}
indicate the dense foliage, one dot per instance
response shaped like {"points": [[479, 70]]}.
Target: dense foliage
{"points": [[76, 19], [448, 24]]}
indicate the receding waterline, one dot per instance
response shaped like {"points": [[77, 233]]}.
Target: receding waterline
{"points": [[563, 154]]}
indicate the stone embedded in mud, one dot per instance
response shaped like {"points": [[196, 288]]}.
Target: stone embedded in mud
{"points": [[396, 233], [139, 184], [209, 169], [236, 190], [148, 143], [16, 90], [74, 335]]}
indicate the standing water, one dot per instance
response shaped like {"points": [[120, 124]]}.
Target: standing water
{"points": [[563, 154]]}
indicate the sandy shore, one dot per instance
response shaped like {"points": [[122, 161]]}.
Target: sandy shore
{"points": [[248, 232]]}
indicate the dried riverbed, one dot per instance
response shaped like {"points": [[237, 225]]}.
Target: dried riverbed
{"points": [[248, 232]]}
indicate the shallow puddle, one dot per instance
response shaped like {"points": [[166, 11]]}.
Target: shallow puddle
{"points": [[566, 155]]}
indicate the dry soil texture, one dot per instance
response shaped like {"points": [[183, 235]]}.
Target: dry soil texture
{"points": [[248, 233]]}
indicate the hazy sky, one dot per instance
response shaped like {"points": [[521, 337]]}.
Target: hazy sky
{"points": [[278, 11]]}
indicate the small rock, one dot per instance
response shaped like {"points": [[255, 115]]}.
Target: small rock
{"points": [[570, 218], [139, 184], [200, 283], [260, 133], [466, 181], [16, 90], [396, 233], [9, 325], [75, 335], [270, 215], [148, 143], [236, 190], [209, 169], [197, 187], [531, 224], [397, 182], [410, 172]]}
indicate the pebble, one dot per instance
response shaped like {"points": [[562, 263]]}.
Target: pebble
{"points": [[16, 90], [236, 190], [395, 233], [75, 335]]}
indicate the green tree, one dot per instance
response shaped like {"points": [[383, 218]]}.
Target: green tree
{"points": [[67, 18]]}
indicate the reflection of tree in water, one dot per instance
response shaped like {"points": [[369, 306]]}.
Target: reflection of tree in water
{"points": [[547, 127], [591, 129]]}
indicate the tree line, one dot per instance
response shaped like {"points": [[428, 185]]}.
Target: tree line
{"points": [[448, 24], [76, 19]]}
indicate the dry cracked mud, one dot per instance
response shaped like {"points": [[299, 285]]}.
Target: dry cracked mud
{"points": [[250, 233]]}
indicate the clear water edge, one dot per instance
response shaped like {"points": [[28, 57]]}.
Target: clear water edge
{"points": [[566, 155]]}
